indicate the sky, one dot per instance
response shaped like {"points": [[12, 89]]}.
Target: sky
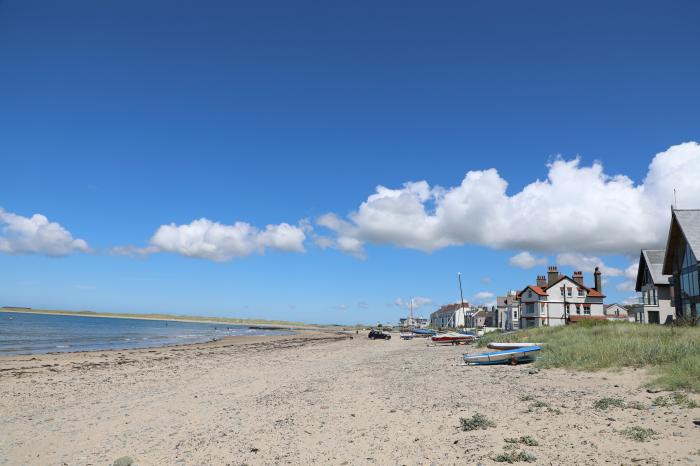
{"points": [[327, 161]]}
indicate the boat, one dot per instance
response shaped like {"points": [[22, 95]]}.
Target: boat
{"points": [[406, 335], [509, 346], [452, 338], [423, 332], [513, 356]]}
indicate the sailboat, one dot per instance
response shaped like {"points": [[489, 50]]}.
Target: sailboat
{"points": [[408, 335]]}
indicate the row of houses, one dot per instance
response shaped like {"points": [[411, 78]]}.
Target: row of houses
{"points": [[668, 283]]}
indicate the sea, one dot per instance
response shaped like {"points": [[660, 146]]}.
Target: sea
{"points": [[24, 333]]}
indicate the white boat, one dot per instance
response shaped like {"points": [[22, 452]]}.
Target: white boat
{"points": [[406, 335], [452, 338], [513, 356], [508, 346]]}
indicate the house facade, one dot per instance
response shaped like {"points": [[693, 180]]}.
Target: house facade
{"points": [[508, 308], [615, 312], [558, 299], [450, 316], [655, 304], [415, 322], [681, 262]]}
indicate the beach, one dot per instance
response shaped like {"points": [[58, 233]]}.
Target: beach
{"points": [[321, 398]]}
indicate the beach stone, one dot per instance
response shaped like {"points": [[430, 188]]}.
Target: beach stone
{"points": [[533, 371], [124, 461]]}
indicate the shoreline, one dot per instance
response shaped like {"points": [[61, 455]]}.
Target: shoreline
{"points": [[188, 319]]}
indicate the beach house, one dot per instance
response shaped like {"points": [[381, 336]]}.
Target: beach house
{"points": [[681, 262], [450, 316], [655, 304], [559, 299], [507, 308], [615, 312]]}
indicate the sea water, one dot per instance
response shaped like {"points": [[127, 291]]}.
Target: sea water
{"points": [[23, 333]]}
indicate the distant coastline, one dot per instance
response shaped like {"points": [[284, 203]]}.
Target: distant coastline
{"points": [[252, 323]]}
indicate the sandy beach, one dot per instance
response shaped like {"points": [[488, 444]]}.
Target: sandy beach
{"points": [[320, 398]]}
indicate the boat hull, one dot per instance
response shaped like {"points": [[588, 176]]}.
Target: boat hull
{"points": [[510, 346], [513, 356], [453, 339]]}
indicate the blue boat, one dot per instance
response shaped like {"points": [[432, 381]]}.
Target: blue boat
{"points": [[513, 356], [424, 332]]}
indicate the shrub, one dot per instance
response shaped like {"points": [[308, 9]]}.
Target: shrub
{"points": [[515, 457], [525, 440], [605, 403], [477, 421], [639, 434]]}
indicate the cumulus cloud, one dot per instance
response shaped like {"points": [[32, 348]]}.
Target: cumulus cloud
{"points": [[205, 239], [630, 278], [576, 208], [481, 295], [36, 235], [525, 260], [587, 264]]}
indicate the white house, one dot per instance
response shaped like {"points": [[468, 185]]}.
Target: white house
{"points": [[415, 322], [507, 308], [616, 312], [559, 299], [450, 316], [656, 304]]}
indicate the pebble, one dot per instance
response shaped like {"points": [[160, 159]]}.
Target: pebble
{"points": [[124, 461]]}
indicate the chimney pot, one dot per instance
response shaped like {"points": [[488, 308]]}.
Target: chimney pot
{"points": [[552, 275]]}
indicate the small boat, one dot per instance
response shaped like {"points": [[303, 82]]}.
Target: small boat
{"points": [[513, 356], [406, 335], [509, 346], [452, 338], [423, 332]]}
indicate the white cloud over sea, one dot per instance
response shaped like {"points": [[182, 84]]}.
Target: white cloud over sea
{"points": [[36, 235], [576, 208], [206, 239]]}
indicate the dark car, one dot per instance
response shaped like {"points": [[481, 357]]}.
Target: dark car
{"points": [[376, 334]]}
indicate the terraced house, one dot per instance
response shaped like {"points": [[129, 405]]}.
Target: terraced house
{"points": [[559, 299]]}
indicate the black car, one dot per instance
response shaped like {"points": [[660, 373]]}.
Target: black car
{"points": [[377, 334]]}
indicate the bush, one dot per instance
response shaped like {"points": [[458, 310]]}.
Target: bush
{"points": [[525, 440], [639, 434], [515, 457], [477, 421], [605, 403]]}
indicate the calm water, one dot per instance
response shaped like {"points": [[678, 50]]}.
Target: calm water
{"points": [[36, 333]]}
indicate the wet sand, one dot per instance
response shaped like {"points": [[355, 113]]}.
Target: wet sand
{"points": [[319, 398]]}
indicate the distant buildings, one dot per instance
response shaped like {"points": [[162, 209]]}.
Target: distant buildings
{"points": [[558, 299], [415, 322], [450, 316], [655, 305], [507, 308], [615, 312], [681, 263]]}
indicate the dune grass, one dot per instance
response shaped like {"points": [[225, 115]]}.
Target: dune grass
{"points": [[673, 352]]}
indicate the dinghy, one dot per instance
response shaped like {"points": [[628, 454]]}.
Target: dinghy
{"points": [[452, 338], [513, 356], [406, 335], [509, 346]]}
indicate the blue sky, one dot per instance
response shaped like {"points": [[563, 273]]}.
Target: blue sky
{"points": [[117, 118]]}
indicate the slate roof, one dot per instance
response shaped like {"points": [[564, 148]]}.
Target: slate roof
{"points": [[688, 222], [654, 260]]}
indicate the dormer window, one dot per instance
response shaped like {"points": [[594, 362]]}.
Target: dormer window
{"points": [[568, 291], [529, 294], [581, 292], [562, 290]]}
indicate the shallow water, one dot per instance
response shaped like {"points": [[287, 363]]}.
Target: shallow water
{"points": [[22, 333]]}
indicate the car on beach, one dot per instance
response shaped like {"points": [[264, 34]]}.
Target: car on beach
{"points": [[378, 335]]}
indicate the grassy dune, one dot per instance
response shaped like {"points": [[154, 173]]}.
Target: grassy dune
{"points": [[673, 353], [227, 320]]}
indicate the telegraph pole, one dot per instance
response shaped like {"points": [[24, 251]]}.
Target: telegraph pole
{"points": [[461, 295]]}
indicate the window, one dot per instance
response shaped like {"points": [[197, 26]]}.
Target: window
{"points": [[568, 291], [562, 291], [587, 309], [578, 309], [529, 294], [515, 314], [580, 291]]}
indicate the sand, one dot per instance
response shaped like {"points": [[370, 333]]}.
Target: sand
{"points": [[319, 398]]}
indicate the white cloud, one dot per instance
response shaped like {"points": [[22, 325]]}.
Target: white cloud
{"points": [[418, 301], [587, 264], [576, 208], [205, 239], [36, 235], [482, 295], [631, 278], [525, 260]]}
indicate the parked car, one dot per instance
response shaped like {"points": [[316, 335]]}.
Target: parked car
{"points": [[378, 335]]}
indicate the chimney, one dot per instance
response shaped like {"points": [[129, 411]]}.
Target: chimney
{"points": [[552, 275], [541, 281], [578, 277], [596, 279]]}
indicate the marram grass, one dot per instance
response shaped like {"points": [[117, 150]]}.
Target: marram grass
{"points": [[672, 352]]}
